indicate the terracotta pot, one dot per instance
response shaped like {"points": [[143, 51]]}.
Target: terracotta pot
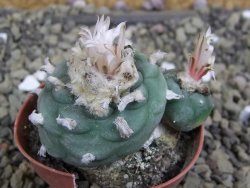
{"points": [[59, 179]]}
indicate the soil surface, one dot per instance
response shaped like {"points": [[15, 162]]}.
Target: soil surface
{"points": [[161, 161]]}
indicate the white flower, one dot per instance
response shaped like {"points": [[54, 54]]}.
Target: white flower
{"points": [[104, 46], [202, 60], [101, 67]]}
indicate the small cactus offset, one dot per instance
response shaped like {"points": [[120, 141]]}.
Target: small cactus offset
{"points": [[102, 104], [189, 100]]}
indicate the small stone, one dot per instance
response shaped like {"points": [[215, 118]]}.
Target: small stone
{"points": [[64, 45], [15, 104], [226, 142], [56, 28], [232, 107], [17, 158], [170, 56], [5, 131], [143, 31], [158, 28], [5, 184], [233, 20], [242, 155], [35, 65], [192, 180], [7, 172], [19, 74], [180, 35], [245, 115], [83, 184], [52, 40], [225, 43], [69, 38], [201, 168], [16, 54], [4, 161], [197, 22], [89, 8], [227, 180], [3, 112], [244, 182], [103, 11], [30, 83], [190, 29], [220, 161], [235, 126], [38, 181], [246, 14], [15, 31], [216, 116], [16, 179], [14, 64], [40, 75], [208, 121], [224, 123], [28, 183], [215, 86], [240, 82], [209, 185], [94, 186], [4, 37], [6, 85]]}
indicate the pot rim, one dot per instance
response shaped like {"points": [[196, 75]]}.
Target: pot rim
{"points": [[179, 176], [20, 147], [190, 165]]}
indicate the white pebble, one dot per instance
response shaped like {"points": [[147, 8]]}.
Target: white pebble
{"points": [[167, 66], [40, 75], [4, 36], [30, 83], [245, 115], [207, 77], [246, 14]]}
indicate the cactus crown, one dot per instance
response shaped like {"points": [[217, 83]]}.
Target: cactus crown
{"points": [[101, 67], [200, 62]]}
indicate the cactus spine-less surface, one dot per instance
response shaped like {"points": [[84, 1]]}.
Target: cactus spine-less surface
{"points": [[103, 104]]}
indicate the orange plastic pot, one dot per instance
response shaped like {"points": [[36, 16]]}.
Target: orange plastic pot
{"points": [[59, 179]]}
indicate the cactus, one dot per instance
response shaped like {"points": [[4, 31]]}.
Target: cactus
{"points": [[101, 105], [190, 102]]}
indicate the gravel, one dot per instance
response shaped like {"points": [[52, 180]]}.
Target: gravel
{"points": [[31, 36]]}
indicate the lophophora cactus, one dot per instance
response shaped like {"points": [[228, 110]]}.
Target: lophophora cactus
{"points": [[190, 101], [102, 104], [106, 101]]}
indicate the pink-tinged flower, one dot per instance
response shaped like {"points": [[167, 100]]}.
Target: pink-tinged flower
{"points": [[104, 45], [202, 60]]}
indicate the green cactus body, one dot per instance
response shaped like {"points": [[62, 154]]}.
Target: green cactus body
{"points": [[98, 135], [188, 112]]}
